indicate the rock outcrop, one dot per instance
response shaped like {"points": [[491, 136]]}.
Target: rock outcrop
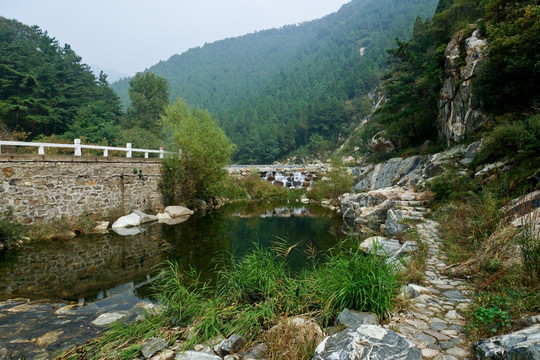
{"points": [[367, 342], [458, 107], [523, 344]]}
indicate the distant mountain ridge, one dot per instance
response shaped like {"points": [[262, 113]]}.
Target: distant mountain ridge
{"points": [[298, 87]]}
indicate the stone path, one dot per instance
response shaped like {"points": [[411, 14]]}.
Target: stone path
{"points": [[434, 321]]}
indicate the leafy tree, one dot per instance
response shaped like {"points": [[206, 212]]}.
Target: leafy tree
{"points": [[204, 149], [509, 79], [149, 95], [43, 85]]}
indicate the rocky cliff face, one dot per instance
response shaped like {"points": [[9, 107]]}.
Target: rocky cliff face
{"points": [[458, 108]]}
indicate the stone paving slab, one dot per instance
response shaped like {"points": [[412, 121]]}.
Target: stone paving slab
{"points": [[435, 319]]}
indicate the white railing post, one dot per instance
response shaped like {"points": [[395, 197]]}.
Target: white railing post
{"points": [[0, 148], [41, 150], [77, 143], [105, 152], [161, 152], [128, 151], [146, 154]]}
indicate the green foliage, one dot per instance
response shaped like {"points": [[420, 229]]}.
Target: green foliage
{"points": [[351, 279], [339, 182], [10, 232], [43, 85], [205, 150], [413, 81], [509, 79], [274, 90], [258, 276], [491, 315], [516, 139], [149, 94]]}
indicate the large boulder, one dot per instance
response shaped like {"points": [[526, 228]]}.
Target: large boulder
{"points": [[176, 211], [146, 218], [522, 345], [367, 342], [127, 221]]}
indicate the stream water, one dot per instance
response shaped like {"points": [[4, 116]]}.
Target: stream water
{"points": [[72, 283], [93, 267]]}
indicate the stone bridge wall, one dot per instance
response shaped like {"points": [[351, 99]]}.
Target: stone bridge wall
{"points": [[44, 187]]}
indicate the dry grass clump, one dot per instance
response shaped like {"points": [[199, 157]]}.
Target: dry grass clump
{"points": [[293, 339]]}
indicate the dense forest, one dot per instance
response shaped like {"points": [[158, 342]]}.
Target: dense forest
{"points": [[506, 85], [296, 88], [299, 90]]}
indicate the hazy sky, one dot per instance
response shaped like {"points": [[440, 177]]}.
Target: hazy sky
{"points": [[131, 35]]}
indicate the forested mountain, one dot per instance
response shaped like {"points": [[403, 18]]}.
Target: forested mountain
{"points": [[44, 87], [295, 88]]}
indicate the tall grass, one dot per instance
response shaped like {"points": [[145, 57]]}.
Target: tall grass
{"points": [[354, 280], [253, 294]]}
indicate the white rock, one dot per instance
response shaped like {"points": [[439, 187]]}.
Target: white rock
{"points": [[127, 231], [163, 217], [175, 211], [101, 227], [127, 221]]}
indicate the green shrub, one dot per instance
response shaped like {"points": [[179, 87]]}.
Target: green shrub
{"points": [[491, 316], [506, 140], [10, 232], [354, 280], [339, 182]]}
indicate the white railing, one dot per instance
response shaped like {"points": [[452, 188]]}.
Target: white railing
{"points": [[77, 147]]}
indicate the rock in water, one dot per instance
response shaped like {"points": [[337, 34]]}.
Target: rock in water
{"points": [[176, 211], [523, 345], [127, 221], [146, 218], [367, 342]]}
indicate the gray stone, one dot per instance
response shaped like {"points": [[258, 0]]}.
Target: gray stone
{"points": [[380, 245], [367, 342], [199, 204], [127, 221], [257, 352], [394, 222], [454, 295], [430, 340], [350, 318], [196, 355], [153, 346], [175, 211], [108, 318], [127, 231], [230, 345], [523, 345]]}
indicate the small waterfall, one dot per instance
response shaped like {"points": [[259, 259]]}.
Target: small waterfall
{"points": [[290, 179]]}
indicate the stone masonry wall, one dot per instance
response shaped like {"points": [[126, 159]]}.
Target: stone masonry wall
{"points": [[44, 187]]}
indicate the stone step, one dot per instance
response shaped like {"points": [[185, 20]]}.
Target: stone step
{"points": [[410, 202], [413, 208]]}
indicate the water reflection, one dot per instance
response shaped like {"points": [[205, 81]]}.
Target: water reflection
{"points": [[94, 267]]}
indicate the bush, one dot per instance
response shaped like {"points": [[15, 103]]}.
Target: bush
{"points": [[205, 151], [506, 140], [10, 232], [339, 182], [353, 280]]}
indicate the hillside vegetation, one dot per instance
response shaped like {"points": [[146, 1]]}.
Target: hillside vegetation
{"points": [[296, 88]]}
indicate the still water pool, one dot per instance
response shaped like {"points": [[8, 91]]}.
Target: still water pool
{"points": [[100, 267]]}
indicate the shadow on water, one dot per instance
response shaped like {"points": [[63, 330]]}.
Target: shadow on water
{"points": [[94, 267]]}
